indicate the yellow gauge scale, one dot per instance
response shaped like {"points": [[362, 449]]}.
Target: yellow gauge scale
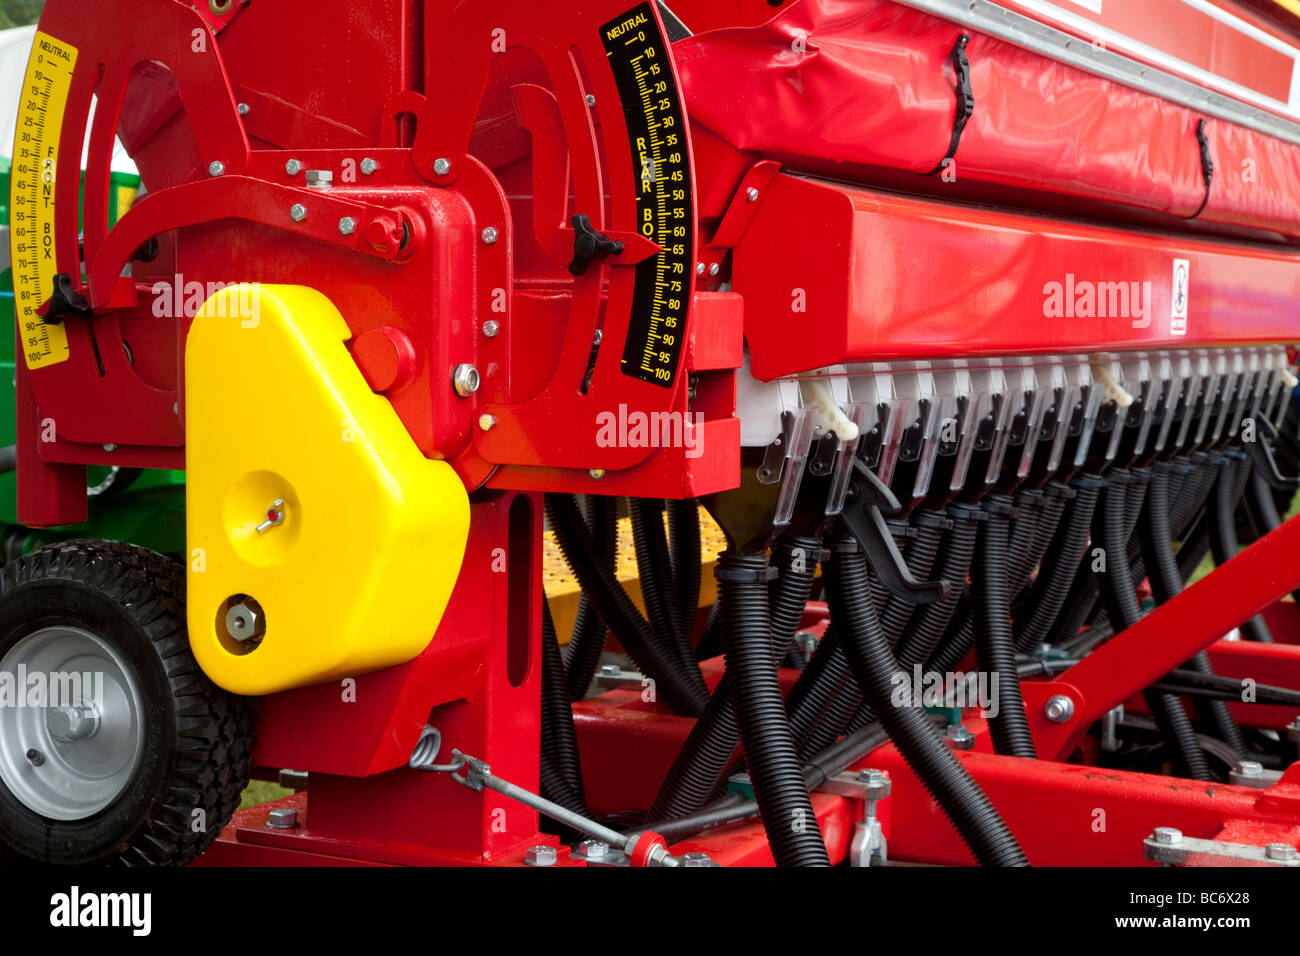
{"points": [[31, 198], [641, 60]]}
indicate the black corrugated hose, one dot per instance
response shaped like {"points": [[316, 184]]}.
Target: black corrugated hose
{"points": [[588, 641], [817, 687], [1060, 565], [655, 573], [561, 776], [774, 768], [683, 688], [1167, 582], [958, 795], [1223, 529], [1120, 598], [698, 769], [931, 622], [847, 710], [994, 643], [710, 642], [684, 548]]}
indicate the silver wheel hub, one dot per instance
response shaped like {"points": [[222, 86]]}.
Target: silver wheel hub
{"points": [[72, 732]]}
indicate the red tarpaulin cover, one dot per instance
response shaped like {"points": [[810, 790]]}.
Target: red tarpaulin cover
{"points": [[870, 83]]}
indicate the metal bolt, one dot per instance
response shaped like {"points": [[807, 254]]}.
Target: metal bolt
{"points": [[297, 212], [320, 178], [714, 269], [368, 166], [486, 422], [696, 859], [591, 99], [67, 724], [242, 622], [293, 167], [347, 225], [1059, 709], [464, 378], [1250, 768], [282, 818], [110, 448], [442, 166], [751, 194], [610, 670], [491, 328], [1280, 851], [1293, 730], [597, 473], [699, 268], [176, 408], [593, 849], [243, 109], [1167, 835], [960, 737], [216, 167], [871, 777], [489, 235], [35, 757], [541, 856]]}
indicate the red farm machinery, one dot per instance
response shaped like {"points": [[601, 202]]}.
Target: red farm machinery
{"points": [[687, 433]]}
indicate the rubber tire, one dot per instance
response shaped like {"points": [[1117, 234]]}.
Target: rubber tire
{"points": [[198, 738]]}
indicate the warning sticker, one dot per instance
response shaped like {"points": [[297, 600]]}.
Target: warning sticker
{"points": [[1179, 296]]}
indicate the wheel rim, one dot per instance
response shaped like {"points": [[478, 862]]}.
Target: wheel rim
{"points": [[86, 750]]}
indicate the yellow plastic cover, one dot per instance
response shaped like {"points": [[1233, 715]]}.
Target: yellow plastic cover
{"points": [[352, 570]]}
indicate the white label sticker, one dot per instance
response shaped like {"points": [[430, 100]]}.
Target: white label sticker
{"points": [[1178, 298]]}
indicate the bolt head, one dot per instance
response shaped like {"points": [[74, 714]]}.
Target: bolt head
{"points": [[597, 473], [1167, 835], [320, 178], [1059, 709], [293, 167], [751, 195], [714, 269], [243, 622], [465, 380], [541, 856], [347, 225], [110, 447], [1280, 851], [368, 166], [696, 859], [282, 818], [871, 777], [297, 212], [610, 670], [491, 328], [216, 167], [243, 109], [593, 849], [442, 166], [490, 235], [699, 268], [591, 99], [486, 422], [1250, 768]]}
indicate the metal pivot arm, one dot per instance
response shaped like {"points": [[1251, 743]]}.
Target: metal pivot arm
{"points": [[1261, 455], [865, 520]]}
